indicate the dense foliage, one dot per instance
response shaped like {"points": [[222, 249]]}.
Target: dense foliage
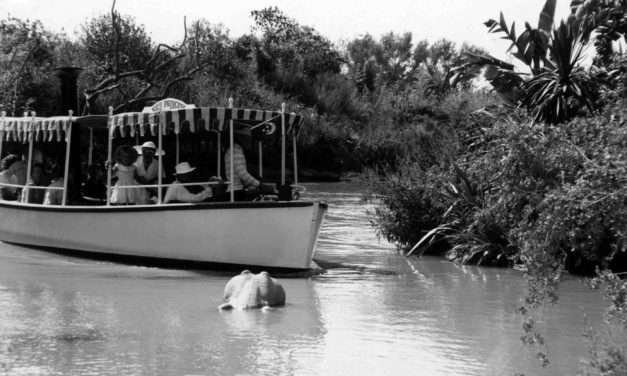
{"points": [[539, 184]]}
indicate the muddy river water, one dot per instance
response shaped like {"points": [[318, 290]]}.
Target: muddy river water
{"points": [[372, 312]]}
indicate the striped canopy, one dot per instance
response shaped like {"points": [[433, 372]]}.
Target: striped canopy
{"points": [[195, 119], [43, 129], [127, 124]]}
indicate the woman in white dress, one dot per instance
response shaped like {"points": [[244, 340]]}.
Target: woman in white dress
{"points": [[126, 172]]}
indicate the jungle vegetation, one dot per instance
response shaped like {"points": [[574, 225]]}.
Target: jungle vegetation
{"points": [[528, 171]]}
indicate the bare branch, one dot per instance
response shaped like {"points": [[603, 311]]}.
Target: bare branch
{"points": [[95, 93], [113, 78], [137, 100], [143, 91], [184, 77], [169, 61], [154, 73], [184, 33]]}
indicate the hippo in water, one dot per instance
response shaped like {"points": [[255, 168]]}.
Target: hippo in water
{"points": [[248, 290]]}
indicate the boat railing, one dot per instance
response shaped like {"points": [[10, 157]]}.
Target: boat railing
{"points": [[170, 184], [25, 190], [26, 186]]}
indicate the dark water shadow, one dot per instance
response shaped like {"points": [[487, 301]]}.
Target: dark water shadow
{"points": [[198, 267]]}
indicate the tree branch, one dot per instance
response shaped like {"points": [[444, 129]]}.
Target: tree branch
{"points": [[155, 70]]}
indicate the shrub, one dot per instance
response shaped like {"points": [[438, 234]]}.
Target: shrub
{"points": [[583, 220], [410, 204]]}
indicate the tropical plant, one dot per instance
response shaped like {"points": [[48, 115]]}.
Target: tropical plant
{"points": [[562, 87], [559, 86], [607, 19]]}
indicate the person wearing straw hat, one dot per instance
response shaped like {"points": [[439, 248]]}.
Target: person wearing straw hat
{"points": [[148, 167], [177, 192]]}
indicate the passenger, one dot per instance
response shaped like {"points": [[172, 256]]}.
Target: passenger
{"points": [[55, 196], [148, 167], [177, 192], [243, 180], [125, 170], [7, 176], [19, 169], [38, 179], [95, 187]]}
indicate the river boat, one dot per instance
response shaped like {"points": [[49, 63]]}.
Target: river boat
{"points": [[277, 231]]}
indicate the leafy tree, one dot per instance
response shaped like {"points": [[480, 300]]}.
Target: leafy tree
{"points": [[211, 45], [128, 69], [388, 61], [394, 61], [293, 47], [27, 57], [121, 45]]}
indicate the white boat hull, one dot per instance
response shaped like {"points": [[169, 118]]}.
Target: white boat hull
{"points": [[265, 234]]}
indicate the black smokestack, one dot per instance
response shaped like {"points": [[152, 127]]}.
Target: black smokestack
{"points": [[69, 88]]}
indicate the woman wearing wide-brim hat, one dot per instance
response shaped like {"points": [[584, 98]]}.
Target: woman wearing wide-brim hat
{"points": [[148, 166], [177, 192]]}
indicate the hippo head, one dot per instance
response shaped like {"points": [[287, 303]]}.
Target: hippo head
{"points": [[248, 290]]}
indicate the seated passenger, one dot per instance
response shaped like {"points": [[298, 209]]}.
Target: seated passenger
{"points": [[243, 180], [55, 196], [38, 179], [95, 187], [179, 193], [20, 166], [7, 176], [19, 169]]}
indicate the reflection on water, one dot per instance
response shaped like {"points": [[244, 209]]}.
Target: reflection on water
{"points": [[372, 312]]}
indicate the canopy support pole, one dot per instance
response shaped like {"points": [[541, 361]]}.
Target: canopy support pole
{"points": [[231, 142], [68, 142], [282, 143], [29, 161], [160, 172], [2, 115], [90, 157], [219, 142], [178, 149], [109, 159], [260, 148], [295, 158]]}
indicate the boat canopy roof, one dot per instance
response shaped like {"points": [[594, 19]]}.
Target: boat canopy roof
{"points": [[44, 129], [203, 118], [188, 119]]}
